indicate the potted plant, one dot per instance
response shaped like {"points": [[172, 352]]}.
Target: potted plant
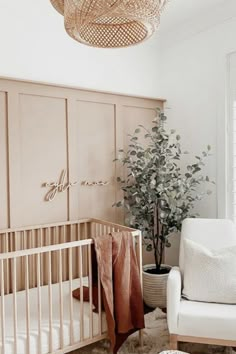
{"points": [[158, 196]]}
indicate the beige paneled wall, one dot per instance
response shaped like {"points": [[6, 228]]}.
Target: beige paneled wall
{"points": [[45, 129], [94, 152], [40, 149]]}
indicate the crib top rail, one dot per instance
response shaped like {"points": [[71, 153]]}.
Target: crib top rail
{"points": [[116, 226], [100, 227], [45, 249], [67, 223], [45, 226]]}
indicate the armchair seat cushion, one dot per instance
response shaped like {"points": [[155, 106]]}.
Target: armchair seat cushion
{"points": [[207, 320]]}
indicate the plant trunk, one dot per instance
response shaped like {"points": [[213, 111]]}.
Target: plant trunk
{"points": [[162, 246], [156, 239]]}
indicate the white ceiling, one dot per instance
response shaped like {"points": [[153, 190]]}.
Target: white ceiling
{"points": [[178, 12]]}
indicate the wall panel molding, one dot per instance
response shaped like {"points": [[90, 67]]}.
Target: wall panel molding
{"points": [[45, 129], [4, 200]]}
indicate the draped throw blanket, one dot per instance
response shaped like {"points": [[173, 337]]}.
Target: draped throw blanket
{"points": [[120, 279], [122, 299]]}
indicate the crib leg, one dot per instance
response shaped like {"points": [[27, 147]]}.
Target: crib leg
{"points": [[141, 338]]}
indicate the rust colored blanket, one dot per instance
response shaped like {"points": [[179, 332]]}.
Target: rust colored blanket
{"points": [[121, 289]]}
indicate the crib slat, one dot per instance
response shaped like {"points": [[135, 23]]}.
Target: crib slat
{"points": [[78, 234], [85, 231], [99, 305], [90, 292], [34, 272], [47, 242], [39, 305], [14, 305], [50, 299], [71, 299], [40, 231], [81, 294], [27, 302], [85, 253], [56, 260], [30, 259], [64, 253], [2, 307], [78, 237], [7, 265], [61, 299]]}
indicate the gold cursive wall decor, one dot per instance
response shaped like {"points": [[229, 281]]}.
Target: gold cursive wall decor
{"points": [[58, 187], [92, 184]]}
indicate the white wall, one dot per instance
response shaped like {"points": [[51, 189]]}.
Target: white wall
{"points": [[35, 46], [193, 78]]}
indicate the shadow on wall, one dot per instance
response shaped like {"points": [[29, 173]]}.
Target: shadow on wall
{"points": [[171, 254]]}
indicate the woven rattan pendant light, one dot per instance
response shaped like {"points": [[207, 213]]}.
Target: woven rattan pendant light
{"points": [[110, 23]]}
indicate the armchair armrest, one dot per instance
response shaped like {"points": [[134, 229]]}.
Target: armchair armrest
{"points": [[174, 287]]}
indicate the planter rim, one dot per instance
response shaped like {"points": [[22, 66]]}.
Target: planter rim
{"points": [[148, 266]]}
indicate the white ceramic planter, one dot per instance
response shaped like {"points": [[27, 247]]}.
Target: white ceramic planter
{"points": [[154, 287]]}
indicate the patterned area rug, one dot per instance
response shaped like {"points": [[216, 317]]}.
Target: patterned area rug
{"points": [[155, 340]]}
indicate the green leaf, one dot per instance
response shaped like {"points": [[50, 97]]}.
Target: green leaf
{"points": [[196, 169], [133, 153], [163, 117], [208, 147], [178, 137], [138, 200], [137, 131], [149, 248]]}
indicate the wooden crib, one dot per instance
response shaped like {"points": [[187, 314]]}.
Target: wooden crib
{"points": [[40, 266]]}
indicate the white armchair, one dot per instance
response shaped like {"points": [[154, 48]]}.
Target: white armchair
{"points": [[200, 322]]}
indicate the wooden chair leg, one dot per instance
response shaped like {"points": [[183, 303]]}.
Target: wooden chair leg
{"points": [[141, 338], [173, 342]]}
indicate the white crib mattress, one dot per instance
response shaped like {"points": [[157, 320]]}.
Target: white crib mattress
{"points": [[21, 320]]}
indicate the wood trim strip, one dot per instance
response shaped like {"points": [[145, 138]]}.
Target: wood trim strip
{"points": [[10, 80], [203, 340]]}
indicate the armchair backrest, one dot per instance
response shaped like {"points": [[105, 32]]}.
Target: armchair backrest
{"points": [[211, 233]]}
